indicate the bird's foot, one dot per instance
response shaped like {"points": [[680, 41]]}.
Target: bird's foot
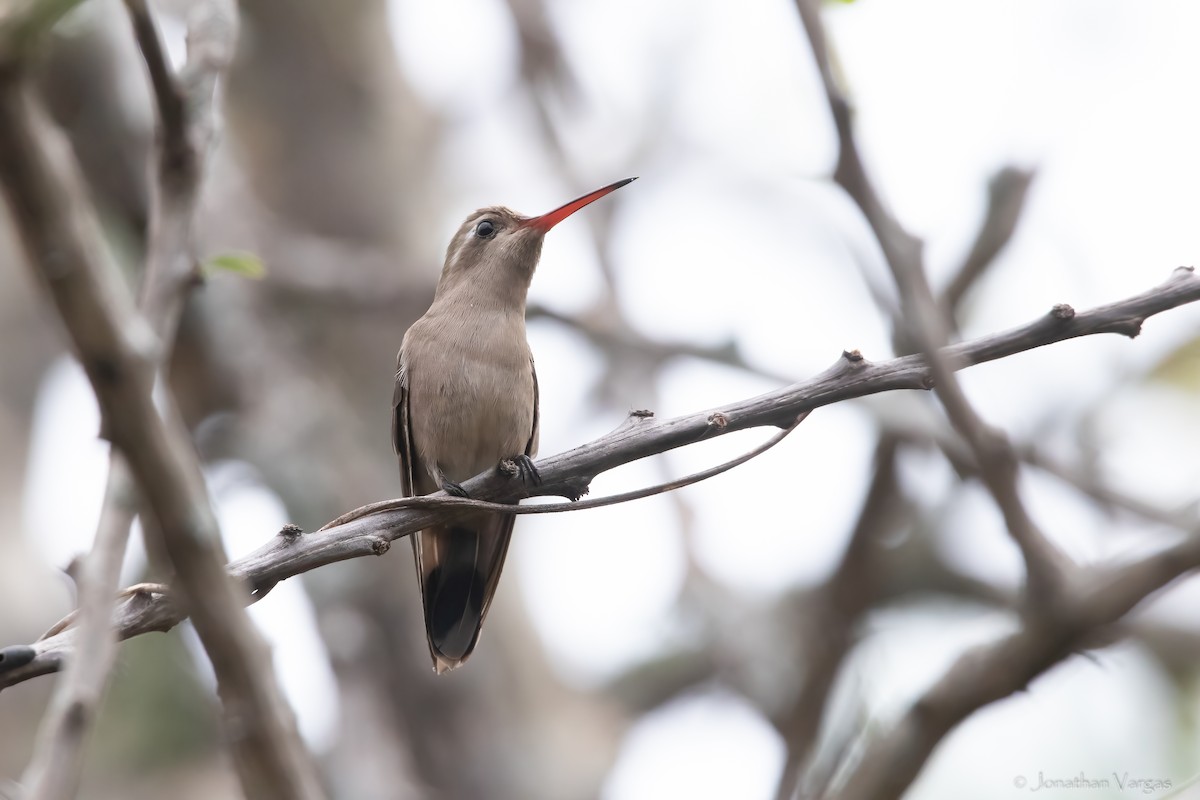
{"points": [[454, 489], [520, 466]]}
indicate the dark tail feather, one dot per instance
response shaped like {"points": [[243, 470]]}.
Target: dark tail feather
{"points": [[459, 567]]}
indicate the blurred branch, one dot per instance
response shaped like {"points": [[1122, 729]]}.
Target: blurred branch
{"points": [[1106, 495], [58, 229], [367, 279], [371, 533], [915, 570], [177, 158], [543, 62], [1056, 613], [55, 768], [1082, 480], [545, 66], [987, 673], [612, 333], [1007, 191], [926, 324], [1175, 647], [832, 615]]}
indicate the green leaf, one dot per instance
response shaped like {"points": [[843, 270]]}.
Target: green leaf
{"points": [[1180, 369], [247, 265]]}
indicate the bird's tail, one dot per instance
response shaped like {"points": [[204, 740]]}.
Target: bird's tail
{"points": [[459, 566]]}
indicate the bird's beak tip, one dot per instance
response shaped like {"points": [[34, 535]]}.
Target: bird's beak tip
{"points": [[547, 221]]}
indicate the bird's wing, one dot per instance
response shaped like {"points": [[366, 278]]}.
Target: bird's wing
{"points": [[402, 441], [459, 567], [531, 447], [493, 545]]}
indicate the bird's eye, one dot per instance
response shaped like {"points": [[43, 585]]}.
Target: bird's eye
{"points": [[485, 229]]}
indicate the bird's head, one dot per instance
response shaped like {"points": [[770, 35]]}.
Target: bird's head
{"points": [[496, 250]]}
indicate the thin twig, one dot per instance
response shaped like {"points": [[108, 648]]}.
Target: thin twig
{"points": [[128, 591], [1007, 191], [616, 336], [1106, 495], [433, 503], [568, 474], [54, 770], [170, 99]]}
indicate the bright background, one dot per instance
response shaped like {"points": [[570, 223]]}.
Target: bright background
{"points": [[734, 234]]}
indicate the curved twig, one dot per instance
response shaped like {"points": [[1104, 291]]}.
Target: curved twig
{"points": [[432, 503], [568, 474]]}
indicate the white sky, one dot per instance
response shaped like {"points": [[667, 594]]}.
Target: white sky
{"points": [[731, 232]]}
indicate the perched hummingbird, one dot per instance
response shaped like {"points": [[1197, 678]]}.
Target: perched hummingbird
{"points": [[466, 399]]}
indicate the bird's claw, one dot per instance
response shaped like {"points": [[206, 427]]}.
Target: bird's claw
{"points": [[521, 466], [454, 490]]}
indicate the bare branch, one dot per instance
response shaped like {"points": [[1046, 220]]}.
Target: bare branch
{"points": [[175, 149], [186, 110], [1107, 496], [716, 420], [987, 673], [543, 62], [118, 352], [1079, 479], [927, 325], [55, 767], [833, 612], [613, 333], [1006, 200], [568, 474], [1062, 604]]}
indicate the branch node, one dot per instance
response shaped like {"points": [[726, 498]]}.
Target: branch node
{"points": [[854, 356], [575, 487], [1129, 326], [379, 545], [718, 420], [291, 532], [641, 413], [1062, 311]]}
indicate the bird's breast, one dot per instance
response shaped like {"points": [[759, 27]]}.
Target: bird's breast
{"points": [[471, 396]]}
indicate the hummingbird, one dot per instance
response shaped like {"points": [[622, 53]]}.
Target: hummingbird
{"points": [[465, 400]]}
